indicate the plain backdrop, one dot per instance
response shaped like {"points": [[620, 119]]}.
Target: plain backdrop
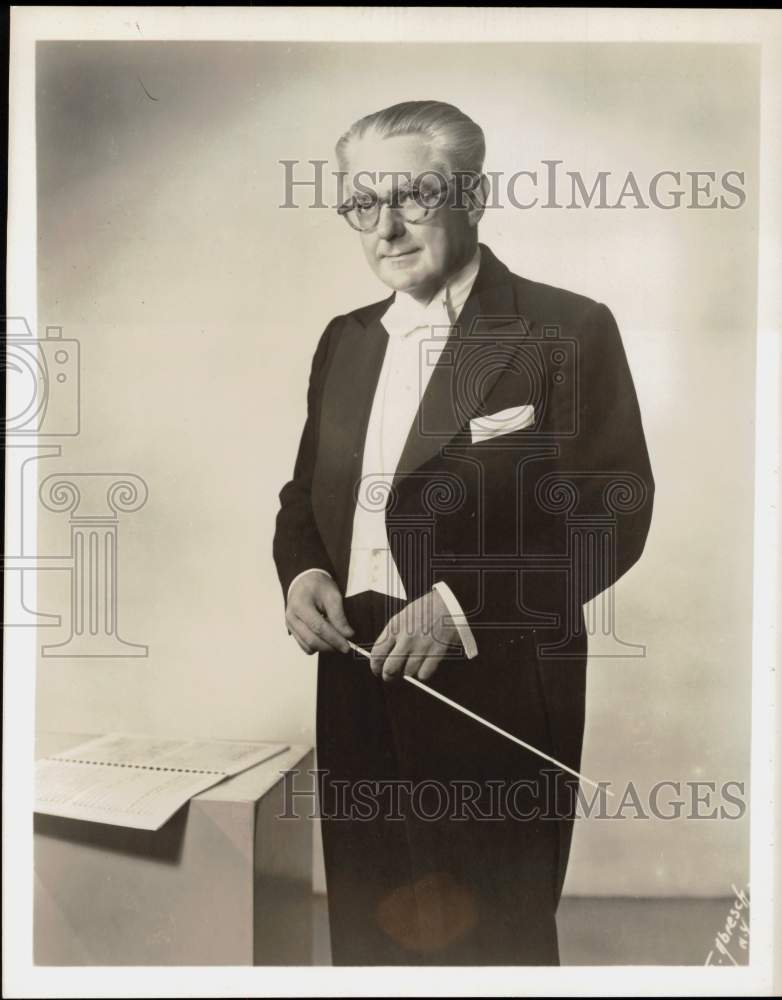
{"points": [[198, 301]]}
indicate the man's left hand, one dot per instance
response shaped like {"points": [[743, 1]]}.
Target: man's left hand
{"points": [[415, 640]]}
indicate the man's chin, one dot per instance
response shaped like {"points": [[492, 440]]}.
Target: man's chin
{"points": [[400, 279]]}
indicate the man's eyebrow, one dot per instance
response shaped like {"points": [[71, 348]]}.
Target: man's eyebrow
{"points": [[368, 191]]}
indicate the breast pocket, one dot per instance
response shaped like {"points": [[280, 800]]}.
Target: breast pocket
{"points": [[501, 422]]}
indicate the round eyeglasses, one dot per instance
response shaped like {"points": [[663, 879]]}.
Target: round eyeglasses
{"points": [[415, 202]]}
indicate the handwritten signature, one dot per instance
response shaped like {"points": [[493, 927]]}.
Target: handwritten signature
{"points": [[733, 938]]}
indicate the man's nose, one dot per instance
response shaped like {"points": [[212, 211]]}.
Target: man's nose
{"points": [[390, 223]]}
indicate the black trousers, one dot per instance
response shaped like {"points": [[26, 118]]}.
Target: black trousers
{"points": [[436, 852]]}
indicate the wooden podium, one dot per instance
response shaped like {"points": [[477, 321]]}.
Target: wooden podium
{"points": [[225, 882]]}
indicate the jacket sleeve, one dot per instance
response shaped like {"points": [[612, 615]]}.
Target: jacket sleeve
{"points": [[297, 544]]}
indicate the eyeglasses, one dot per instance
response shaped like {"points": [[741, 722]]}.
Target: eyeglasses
{"points": [[416, 202]]}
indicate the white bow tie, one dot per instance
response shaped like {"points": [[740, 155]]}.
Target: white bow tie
{"points": [[404, 316]]}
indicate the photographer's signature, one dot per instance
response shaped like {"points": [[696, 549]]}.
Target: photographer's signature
{"points": [[731, 942]]}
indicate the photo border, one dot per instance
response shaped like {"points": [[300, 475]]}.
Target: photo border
{"points": [[401, 24]]}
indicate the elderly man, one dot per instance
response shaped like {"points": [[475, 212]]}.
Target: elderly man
{"points": [[472, 471]]}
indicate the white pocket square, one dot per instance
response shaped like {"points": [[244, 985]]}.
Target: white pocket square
{"points": [[515, 418]]}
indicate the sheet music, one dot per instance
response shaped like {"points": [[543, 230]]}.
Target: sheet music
{"points": [[224, 757], [138, 781]]}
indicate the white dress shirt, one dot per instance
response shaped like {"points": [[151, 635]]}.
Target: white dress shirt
{"points": [[417, 334]]}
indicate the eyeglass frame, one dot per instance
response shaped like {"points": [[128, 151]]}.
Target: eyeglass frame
{"points": [[349, 204]]}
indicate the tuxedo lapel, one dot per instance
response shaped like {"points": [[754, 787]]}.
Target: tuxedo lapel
{"points": [[347, 402], [468, 367], [350, 389]]}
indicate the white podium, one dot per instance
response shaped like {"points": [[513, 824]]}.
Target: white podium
{"points": [[224, 882]]}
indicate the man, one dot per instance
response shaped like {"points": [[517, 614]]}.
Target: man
{"points": [[471, 472]]}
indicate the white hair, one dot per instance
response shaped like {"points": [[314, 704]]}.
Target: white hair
{"points": [[455, 139]]}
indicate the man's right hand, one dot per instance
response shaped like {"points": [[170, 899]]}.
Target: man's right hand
{"points": [[315, 616]]}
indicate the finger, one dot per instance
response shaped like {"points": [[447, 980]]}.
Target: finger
{"points": [[323, 629], [413, 665], [429, 666], [382, 647], [332, 606], [305, 646], [395, 661], [311, 638]]}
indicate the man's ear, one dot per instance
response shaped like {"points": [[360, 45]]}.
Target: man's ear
{"points": [[478, 197]]}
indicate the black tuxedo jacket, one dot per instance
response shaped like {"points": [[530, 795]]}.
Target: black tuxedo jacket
{"points": [[525, 527]]}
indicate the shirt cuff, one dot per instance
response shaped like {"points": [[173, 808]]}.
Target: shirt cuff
{"points": [[298, 576], [459, 620]]}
